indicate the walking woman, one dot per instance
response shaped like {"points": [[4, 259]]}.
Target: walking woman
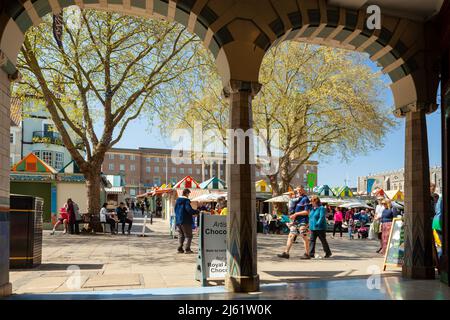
{"points": [[386, 223], [318, 227], [338, 219]]}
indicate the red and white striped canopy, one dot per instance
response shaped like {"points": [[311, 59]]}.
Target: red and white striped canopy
{"points": [[187, 183]]}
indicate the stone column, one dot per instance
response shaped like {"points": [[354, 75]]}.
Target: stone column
{"points": [[241, 222], [211, 167], [5, 285], [218, 168], [418, 263], [445, 114]]}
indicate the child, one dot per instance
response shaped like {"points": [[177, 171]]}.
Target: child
{"points": [[350, 224]]}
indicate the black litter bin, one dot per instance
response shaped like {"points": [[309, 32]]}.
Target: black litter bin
{"points": [[25, 231]]}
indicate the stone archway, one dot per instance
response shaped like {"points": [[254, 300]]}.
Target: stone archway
{"points": [[239, 33]]}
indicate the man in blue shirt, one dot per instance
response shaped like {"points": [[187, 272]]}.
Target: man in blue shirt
{"points": [[184, 221], [299, 224]]}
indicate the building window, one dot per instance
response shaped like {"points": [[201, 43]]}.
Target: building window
{"points": [[297, 175], [122, 157], [221, 172], [173, 181], [174, 170], [147, 170], [182, 170], [11, 137], [132, 192], [147, 160], [132, 157], [111, 156], [257, 173], [47, 157], [111, 166], [189, 170], [122, 167], [59, 160], [198, 171], [157, 181], [156, 169], [11, 161], [156, 160], [132, 167]]}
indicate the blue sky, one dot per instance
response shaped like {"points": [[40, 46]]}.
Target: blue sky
{"points": [[331, 170]]}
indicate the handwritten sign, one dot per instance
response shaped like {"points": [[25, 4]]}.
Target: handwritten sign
{"points": [[395, 250]]}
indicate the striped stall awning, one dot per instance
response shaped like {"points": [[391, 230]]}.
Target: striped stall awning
{"points": [[194, 192], [213, 183], [187, 183]]}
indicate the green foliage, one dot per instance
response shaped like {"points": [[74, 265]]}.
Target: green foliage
{"points": [[323, 101]]}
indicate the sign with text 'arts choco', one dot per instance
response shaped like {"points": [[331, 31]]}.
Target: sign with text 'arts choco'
{"points": [[212, 249]]}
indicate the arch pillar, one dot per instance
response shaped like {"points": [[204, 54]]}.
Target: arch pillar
{"points": [[418, 260], [5, 285], [242, 273]]}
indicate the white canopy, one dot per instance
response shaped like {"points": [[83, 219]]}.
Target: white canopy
{"points": [[351, 205], [209, 197], [282, 198]]}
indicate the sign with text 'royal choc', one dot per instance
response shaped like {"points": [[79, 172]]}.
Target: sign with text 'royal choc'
{"points": [[211, 262]]}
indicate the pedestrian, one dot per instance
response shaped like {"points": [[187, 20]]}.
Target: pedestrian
{"points": [[133, 206], [317, 227], [183, 221], [121, 212], [299, 225], [142, 205], [338, 219], [71, 213], [105, 217], [349, 219], [63, 219], [377, 222], [386, 223]]}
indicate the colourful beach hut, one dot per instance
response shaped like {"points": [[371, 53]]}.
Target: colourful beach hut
{"points": [[32, 163], [324, 190], [344, 192], [396, 195], [379, 192], [213, 183], [187, 183]]}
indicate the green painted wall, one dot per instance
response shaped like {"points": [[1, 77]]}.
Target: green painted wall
{"points": [[37, 189]]}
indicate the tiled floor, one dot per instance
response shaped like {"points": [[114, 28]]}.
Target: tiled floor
{"points": [[390, 288], [85, 263]]}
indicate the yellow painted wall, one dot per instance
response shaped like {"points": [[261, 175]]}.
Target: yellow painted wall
{"points": [[76, 191]]}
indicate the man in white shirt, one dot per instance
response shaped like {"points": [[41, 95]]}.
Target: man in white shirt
{"points": [[377, 221]]}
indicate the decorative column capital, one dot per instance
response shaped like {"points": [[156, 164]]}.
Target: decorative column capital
{"points": [[236, 86], [428, 107]]}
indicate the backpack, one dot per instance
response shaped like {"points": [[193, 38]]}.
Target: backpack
{"points": [[76, 209]]}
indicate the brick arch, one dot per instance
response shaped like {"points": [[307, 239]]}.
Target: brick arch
{"points": [[21, 15], [398, 47]]}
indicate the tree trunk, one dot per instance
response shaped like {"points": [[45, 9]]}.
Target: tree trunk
{"points": [[274, 185], [93, 182]]}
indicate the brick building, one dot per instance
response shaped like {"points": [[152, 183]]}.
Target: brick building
{"points": [[144, 168]]}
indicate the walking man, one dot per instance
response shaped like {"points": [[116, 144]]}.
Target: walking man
{"points": [[184, 220], [299, 225]]}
